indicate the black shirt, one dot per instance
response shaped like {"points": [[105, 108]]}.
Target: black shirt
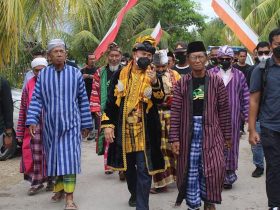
{"points": [[6, 106], [88, 81], [198, 96], [244, 69]]}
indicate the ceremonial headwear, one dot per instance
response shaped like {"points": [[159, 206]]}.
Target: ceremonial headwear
{"points": [[160, 58], [225, 51], [181, 47], [39, 62], [114, 47], [196, 46], [145, 43], [55, 43]]}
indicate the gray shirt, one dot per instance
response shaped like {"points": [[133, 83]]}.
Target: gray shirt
{"points": [[270, 109]]}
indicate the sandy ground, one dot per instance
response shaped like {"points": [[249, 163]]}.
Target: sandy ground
{"points": [[96, 191]]}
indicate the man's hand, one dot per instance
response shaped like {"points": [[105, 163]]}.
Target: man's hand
{"points": [[228, 144], [175, 148], [254, 137], [32, 131], [85, 133], [8, 142], [109, 134], [152, 75]]}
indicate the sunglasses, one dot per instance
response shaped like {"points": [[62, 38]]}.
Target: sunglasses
{"points": [[260, 53], [224, 59]]}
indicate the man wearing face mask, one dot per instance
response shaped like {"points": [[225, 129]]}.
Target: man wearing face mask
{"points": [[263, 53], [100, 87], [264, 106], [213, 60], [131, 123], [238, 93], [182, 67]]}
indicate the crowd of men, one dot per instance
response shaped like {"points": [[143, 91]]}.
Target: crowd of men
{"points": [[157, 117]]}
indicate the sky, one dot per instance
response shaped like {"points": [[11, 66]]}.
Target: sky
{"points": [[206, 8]]}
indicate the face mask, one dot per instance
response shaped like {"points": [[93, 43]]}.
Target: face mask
{"points": [[114, 68], [124, 63], [225, 65], [160, 73], [214, 61], [263, 58], [276, 52], [143, 63], [181, 57]]}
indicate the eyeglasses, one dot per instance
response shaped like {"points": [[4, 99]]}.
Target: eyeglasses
{"points": [[199, 57], [224, 59], [260, 53]]}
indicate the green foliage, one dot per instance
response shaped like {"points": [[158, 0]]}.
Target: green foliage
{"points": [[177, 16]]}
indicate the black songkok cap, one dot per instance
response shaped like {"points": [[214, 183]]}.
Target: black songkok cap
{"points": [[196, 46], [145, 46]]}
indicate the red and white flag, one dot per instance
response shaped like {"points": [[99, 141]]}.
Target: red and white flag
{"points": [[113, 31], [157, 33], [244, 33]]}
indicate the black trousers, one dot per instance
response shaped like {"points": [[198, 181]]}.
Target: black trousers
{"points": [[138, 180], [271, 147]]}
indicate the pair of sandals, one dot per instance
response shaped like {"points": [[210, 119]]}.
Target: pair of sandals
{"points": [[59, 196]]}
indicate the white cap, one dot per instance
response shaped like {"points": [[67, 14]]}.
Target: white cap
{"points": [[55, 43], [39, 62]]}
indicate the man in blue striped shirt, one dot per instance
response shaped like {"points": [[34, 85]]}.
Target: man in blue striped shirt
{"points": [[61, 96]]}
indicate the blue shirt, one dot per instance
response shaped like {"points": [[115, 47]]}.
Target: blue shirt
{"points": [[270, 108]]}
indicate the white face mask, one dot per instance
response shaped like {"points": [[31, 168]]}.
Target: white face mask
{"points": [[263, 57], [114, 68]]}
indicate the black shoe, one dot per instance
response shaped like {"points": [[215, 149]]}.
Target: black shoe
{"points": [[132, 201], [227, 186], [258, 172]]}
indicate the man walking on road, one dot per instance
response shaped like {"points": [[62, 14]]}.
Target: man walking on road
{"points": [[60, 93], [265, 101], [131, 123]]}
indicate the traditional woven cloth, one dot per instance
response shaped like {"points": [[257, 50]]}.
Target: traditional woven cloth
{"points": [[169, 175], [66, 183], [196, 188]]}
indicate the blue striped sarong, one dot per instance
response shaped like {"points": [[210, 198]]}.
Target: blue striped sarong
{"points": [[196, 188]]}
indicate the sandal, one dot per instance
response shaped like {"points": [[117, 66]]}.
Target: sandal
{"points": [[58, 196], [70, 205], [209, 206], [49, 187], [35, 190], [153, 191]]}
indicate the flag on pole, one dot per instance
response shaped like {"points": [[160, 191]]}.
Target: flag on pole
{"points": [[244, 33], [113, 31], [157, 33]]}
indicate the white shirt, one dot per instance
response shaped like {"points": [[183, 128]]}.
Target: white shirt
{"points": [[226, 75]]}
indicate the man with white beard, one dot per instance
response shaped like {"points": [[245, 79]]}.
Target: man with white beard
{"points": [[100, 85]]}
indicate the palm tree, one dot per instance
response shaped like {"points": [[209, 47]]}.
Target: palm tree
{"points": [[265, 17]]}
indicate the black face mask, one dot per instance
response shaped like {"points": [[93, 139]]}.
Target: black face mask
{"points": [[160, 73], [143, 63], [214, 61], [276, 52], [225, 65], [181, 57]]}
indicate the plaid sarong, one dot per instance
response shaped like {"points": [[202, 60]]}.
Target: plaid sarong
{"points": [[169, 175], [196, 188], [66, 183], [230, 177], [38, 174]]}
